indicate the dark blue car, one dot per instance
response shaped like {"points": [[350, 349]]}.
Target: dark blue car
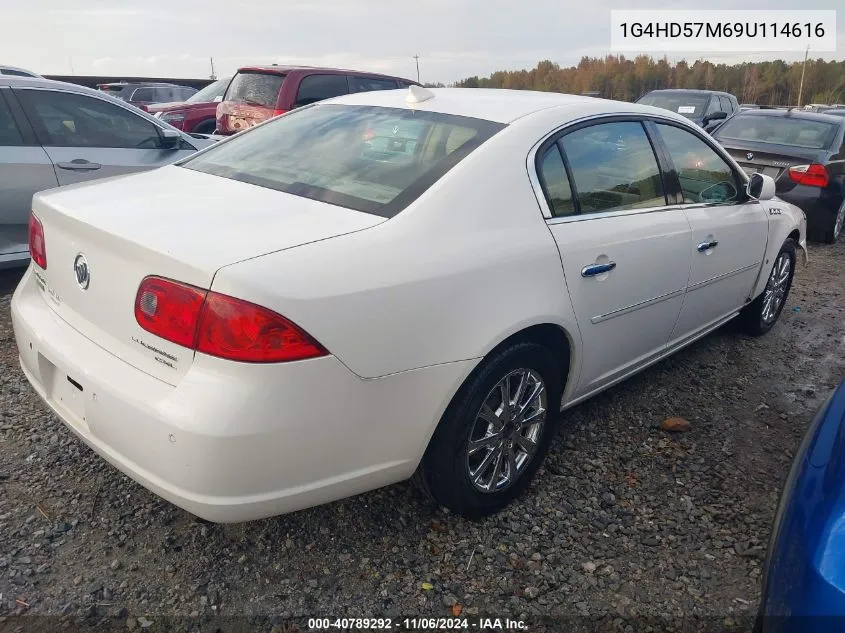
{"points": [[804, 583]]}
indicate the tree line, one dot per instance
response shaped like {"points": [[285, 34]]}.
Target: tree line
{"points": [[617, 77]]}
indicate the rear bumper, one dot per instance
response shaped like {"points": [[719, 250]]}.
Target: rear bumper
{"points": [[819, 205], [233, 441]]}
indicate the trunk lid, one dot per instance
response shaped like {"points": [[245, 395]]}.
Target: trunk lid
{"points": [[771, 160], [172, 222]]}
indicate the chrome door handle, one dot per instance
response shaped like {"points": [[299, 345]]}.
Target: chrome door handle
{"points": [[706, 246], [79, 164], [597, 269]]}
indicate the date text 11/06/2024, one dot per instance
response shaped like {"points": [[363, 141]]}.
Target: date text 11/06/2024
{"points": [[417, 624]]}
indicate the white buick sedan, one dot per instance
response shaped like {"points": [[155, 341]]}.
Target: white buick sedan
{"points": [[386, 284]]}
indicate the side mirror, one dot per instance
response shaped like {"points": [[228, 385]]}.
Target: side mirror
{"points": [[715, 116], [217, 99], [761, 187], [169, 139]]}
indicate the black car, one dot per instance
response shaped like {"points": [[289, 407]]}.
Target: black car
{"points": [[144, 94], [708, 108], [804, 153]]}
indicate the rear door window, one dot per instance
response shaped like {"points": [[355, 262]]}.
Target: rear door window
{"points": [[255, 88], [613, 167], [315, 88], [367, 84]]}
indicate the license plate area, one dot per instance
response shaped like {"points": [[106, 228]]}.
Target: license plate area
{"points": [[65, 393]]}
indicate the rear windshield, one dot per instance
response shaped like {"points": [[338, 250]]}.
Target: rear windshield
{"points": [[690, 106], [260, 89], [779, 130], [376, 160]]}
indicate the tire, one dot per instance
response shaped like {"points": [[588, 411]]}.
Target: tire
{"points": [[206, 127], [447, 469], [759, 316], [832, 229]]}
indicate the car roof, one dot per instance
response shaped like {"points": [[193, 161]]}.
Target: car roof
{"points": [[22, 70], [281, 70], [502, 106], [692, 91], [806, 115]]}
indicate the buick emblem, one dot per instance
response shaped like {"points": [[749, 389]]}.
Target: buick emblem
{"points": [[750, 156], [82, 272]]}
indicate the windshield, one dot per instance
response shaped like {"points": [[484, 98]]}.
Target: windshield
{"points": [[376, 160], [691, 106], [210, 92], [779, 130], [255, 88]]}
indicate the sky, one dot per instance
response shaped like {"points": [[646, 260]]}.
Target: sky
{"points": [[453, 38]]}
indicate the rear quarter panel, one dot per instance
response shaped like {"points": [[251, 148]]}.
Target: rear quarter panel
{"points": [[466, 265]]}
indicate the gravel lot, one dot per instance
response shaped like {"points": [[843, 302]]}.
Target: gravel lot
{"points": [[623, 520]]}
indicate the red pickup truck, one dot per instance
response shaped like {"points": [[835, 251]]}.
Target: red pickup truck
{"points": [[257, 93]]}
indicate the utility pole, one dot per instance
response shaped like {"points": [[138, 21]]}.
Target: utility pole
{"points": [[803, 68], [417, 59], [70, 60], [213, 76]]}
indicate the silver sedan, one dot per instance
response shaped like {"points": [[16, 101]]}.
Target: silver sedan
{"points": [[54, 134]]}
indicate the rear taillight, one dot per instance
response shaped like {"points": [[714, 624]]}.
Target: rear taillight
{"points": [[219, 325], [37, 246], [170, 310], [277, 112], [814, 175]]}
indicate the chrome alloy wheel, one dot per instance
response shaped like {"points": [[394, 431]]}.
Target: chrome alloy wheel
{"points": [[506, 431], [776, 288]]}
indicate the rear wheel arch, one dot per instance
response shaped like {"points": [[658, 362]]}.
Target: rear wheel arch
{"points": [[549, 335]]}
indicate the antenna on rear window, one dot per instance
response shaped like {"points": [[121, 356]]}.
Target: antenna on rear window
{"points": [[418, 94]]}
